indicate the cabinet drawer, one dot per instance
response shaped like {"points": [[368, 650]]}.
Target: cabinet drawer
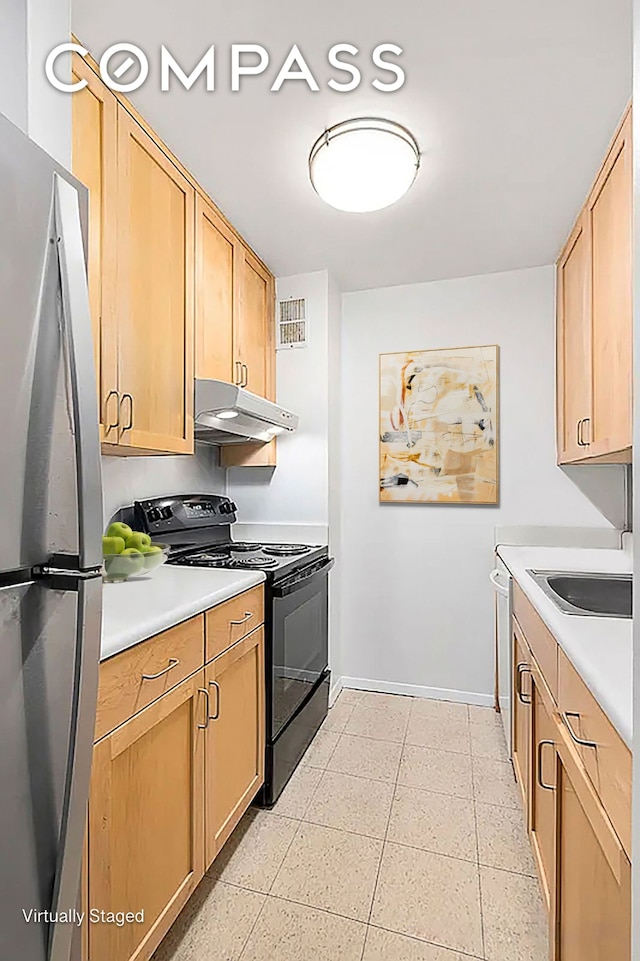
{"points": [[609, 762], [233, 620], [542, 643], [133, 679]]}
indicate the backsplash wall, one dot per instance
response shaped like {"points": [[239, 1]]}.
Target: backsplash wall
{"points": [[125, 479]]}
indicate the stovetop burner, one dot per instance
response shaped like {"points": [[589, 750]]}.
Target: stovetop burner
{"points": [[259, 562], [239, 546], [282, 550]]}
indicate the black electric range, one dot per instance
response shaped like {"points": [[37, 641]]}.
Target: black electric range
{"points": [[198, 527]]}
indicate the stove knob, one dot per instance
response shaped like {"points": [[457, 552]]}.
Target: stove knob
{"points": [[228, 507], [153, 514], [233, 507]]}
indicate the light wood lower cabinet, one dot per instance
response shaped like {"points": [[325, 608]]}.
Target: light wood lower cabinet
{"points": [[543, 785], [235, 737], [178, 763], [593, 883], [521, 713], [567, 758], [146, 821]]}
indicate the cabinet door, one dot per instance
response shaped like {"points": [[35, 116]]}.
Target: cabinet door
{"points": [[235, 737], [254, 341], [146, 819], [156, 280], [216, 295], [543, 784], [521, 714], [610, 213], [593, 875], [574, 345], [94, 162]]}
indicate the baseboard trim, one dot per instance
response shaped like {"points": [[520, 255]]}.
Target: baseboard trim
{"points": [[413, 690], [335, 689]]}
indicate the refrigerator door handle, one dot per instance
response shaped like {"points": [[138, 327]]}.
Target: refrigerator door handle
{"points": [[80, 753], [78, 341]]}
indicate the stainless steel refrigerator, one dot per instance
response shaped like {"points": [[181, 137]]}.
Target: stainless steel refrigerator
{"points": [[50, 548]]}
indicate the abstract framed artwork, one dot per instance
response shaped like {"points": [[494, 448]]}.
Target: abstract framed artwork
{"points": [[439, 426]]}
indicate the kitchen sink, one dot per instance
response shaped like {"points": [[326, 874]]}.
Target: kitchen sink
{"points": [[590, 595]]}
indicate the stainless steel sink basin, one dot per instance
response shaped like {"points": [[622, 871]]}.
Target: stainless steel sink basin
{"points": [[591, 595]]}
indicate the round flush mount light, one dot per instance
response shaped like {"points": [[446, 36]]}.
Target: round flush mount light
{"points": [[227, 414], [364, 164]]}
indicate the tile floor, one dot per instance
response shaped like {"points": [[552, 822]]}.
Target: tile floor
{"points": [[399, 838]]}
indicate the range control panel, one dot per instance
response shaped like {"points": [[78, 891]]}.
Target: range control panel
{"points": [[166, 515]]}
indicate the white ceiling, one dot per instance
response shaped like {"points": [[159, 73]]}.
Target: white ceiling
{"points": [[513, 105]]}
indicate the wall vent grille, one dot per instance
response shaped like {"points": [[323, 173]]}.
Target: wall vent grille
{"points": [[292, 324]]}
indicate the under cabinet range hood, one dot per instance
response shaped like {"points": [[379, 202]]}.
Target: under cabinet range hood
{"points": [[226, 414]]}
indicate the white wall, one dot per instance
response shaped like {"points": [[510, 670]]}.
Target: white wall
{"points": [[297, 491], [29, 29], [416, 604], [126, 479], [49, 110], [13, 61]]}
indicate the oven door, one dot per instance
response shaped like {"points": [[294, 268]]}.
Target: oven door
{"points": [[300, 640]]}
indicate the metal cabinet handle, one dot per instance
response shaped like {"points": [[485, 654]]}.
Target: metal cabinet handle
{"points": [[116, 394], [238, 380], [574, 737], [173, 662], [243, 620], [522, 669], [245, 377], [203, 727], [214, 717], [546, 787], [130, 399], [578, 433], [586, 443]]}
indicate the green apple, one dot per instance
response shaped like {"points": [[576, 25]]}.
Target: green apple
{"points": [[120, 530], [112, 545], [153, 557], [138, 540], [127, 562]]}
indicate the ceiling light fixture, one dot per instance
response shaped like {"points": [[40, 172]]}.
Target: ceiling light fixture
{"points": [[227, 414], [364, 164]]}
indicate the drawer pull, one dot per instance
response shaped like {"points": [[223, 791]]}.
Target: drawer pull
{"points": [[525, 698], [203, 727], [214, 717], [574, 737], [545, 787], [173, 662], [247, 616]]}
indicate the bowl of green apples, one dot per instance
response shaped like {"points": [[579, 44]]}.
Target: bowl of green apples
{"points": [[127, 553]]}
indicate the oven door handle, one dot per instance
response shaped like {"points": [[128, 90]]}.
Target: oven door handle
{"points": [[285, 589]]}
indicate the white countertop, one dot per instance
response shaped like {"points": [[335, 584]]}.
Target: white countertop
{"points": [[600, 648], [143, 606]]}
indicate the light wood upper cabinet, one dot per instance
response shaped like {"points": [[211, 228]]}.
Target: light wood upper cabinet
{"points": [[593, 884], [594, 318], [217, 295], [146, 821], [253, 333], [609, 211], [156, 287], [94, 147], [174, 290], [574, 343], [235, 738]]}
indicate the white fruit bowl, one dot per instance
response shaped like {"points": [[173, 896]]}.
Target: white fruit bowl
{"points": [[121, 567]]}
